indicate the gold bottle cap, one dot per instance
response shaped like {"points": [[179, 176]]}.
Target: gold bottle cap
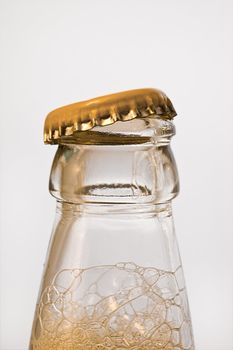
{"points": [[106, 110]]}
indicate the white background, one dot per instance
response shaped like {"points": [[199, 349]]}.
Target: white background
{"points": [[55, 52]]}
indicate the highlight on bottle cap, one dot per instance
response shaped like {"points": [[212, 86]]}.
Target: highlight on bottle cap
{"points": [[105, 110]]}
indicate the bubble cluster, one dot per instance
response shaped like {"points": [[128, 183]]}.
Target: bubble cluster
{"points": [[114, 307]]}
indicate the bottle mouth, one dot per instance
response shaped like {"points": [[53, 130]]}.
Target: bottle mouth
{"points": [[137, 131]]}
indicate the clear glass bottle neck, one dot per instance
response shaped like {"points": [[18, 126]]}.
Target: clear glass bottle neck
{"points": [[117, 167]]}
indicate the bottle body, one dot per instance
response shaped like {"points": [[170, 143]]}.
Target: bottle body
{"points": [[116, 286], [113, 277]]}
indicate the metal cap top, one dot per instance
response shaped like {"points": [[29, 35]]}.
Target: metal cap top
{"points": [[106, 110]]}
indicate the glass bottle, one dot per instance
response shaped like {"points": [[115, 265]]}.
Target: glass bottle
{"points": [[113, 277]]}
